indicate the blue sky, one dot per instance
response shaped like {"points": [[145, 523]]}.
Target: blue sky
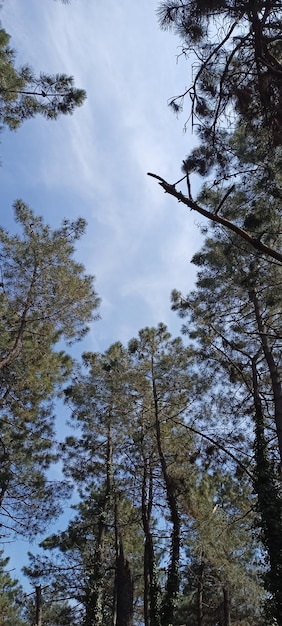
{"points": [[139, 241]]}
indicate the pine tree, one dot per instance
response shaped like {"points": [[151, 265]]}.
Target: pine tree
{"points": [[234, 317], [237, 87], [24, 95], [11, 597], [168, 393], [104, 537], [238, 48], [41, 608], [146, 485], [45, 296]]}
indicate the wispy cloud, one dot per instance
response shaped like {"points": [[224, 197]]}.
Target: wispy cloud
{"points": [[139, 241]]}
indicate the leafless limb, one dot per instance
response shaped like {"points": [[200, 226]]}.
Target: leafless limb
{"points": [[214, 217]]}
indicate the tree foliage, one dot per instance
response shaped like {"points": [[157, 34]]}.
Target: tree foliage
{"points": [[238, 70], [236, 102], [23, 95], [234, 319], [11, 597], [45, 296], [141, 473], [175, 457]]}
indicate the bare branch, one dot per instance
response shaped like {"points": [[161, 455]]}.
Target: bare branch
{"points": [[214, 217]]}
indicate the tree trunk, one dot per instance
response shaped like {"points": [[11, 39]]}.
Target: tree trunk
{"points": [[200, 589], [226, 607], [172, 583], [151, 589], [95, 582], [273, 369], [270, 508], [38, 606], [124, 590]]}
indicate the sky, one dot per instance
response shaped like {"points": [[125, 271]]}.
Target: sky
{"points": [[139, 241]]}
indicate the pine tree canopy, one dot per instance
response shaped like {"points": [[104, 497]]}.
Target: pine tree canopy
{"points": [[45, 296], [24, 95]]}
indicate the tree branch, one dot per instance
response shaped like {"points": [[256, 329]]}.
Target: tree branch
{"points": [[214, 217]]}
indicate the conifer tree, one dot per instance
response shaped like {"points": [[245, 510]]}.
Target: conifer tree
{"points": [[45, 296], [238, 50], [23, 95], [11, 597], [146, 485], [169, 391], [234, 317], [237, 86]]}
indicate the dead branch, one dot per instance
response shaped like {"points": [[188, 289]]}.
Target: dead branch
{"points": [[214, 217]]}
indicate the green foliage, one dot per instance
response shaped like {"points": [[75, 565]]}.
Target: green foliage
{"points": [[24, 95], [41, 283], [233, 318], [11, 597], [238, 75], [270, 518], [54, 613], [45, 296], [146, 482]]}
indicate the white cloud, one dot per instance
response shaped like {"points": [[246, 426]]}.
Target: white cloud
{"points": [[139, 240]]}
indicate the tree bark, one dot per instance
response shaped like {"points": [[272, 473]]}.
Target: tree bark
{"points": [[270, 508], [200, 590], [151, 591], [38, 605], [124, 589], [95, 582], [226, 607], [172, 583], [272, 366]]}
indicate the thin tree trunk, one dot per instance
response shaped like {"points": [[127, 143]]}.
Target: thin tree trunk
{"points": [[117, 554], [226, 607], [200, 590], [38, 605], [95, 583], [124, 588], [151, 590], [147, 545], [172, 583], [270, 508], [272, 366]]}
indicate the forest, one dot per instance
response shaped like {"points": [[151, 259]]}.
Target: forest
{"points": [[173, 458]]}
